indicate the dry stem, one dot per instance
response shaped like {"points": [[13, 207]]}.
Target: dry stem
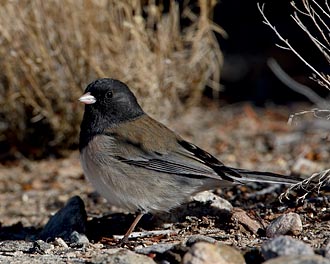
{"points": [[50, 50]]}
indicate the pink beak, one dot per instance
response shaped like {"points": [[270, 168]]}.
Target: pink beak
{"points": [[87, 98]]}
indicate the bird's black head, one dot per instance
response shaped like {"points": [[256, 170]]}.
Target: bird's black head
{"points": [[108, 103]]}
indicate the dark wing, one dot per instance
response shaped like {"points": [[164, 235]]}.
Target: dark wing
{"points": [[185, 159], [145, 143], [204, 157]]}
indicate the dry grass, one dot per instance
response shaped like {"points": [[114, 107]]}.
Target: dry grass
{"points": [[50, 50]]}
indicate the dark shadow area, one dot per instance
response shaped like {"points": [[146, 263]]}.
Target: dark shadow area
{"points": [[250, 43], [118, 223], [19, 232]]}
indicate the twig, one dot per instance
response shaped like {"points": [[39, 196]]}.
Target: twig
{"points": [[312, 13], [315, 112], [317, 43], [323, 11], [313, 183], [286, 42]]}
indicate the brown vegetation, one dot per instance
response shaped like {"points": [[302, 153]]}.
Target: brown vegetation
{"points": [[50, 50]]}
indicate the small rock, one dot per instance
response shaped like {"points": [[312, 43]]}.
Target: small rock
{"points": [[285, 246], [78, 240], [123, 256], [60, 242], [41, 247], [199, 238], [216, 201], [298, 260], [206, 253], [156, 248], [72, 217], [241, 217], [285, 224]]}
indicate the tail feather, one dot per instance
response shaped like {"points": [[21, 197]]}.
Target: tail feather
{"points": [[262, 177]]}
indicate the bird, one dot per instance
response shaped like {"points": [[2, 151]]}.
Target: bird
{"points": [[139, 164]]}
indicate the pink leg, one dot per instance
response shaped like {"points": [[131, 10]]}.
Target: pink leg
{"points": [[130, 230]]}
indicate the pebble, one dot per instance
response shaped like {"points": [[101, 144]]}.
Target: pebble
{"points": [[298, 260], [285, 246], [215, 201], [199, 238], [78, 240], [241, 217], [60, 242], [41, 247], [285, 224], [206, 253], [72, 217], [156, 248]]}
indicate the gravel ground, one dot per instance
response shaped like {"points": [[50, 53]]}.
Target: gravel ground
{"points": [[240, 135]]}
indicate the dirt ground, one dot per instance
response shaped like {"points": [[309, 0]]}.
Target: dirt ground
{"points": [[239, 135]]}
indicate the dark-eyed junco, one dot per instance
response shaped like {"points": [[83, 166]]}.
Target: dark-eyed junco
{"points": [[139, 164]]}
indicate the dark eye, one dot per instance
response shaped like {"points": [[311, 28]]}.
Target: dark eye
{"points": [[108, 95]]}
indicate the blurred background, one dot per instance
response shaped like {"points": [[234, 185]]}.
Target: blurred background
{"points": [[173, 54]]}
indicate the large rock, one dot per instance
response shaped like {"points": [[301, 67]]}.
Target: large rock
{"points": [[206, 253], [123, 256], [72, 217], [285, 246], [285, 224], [298, 260]]}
